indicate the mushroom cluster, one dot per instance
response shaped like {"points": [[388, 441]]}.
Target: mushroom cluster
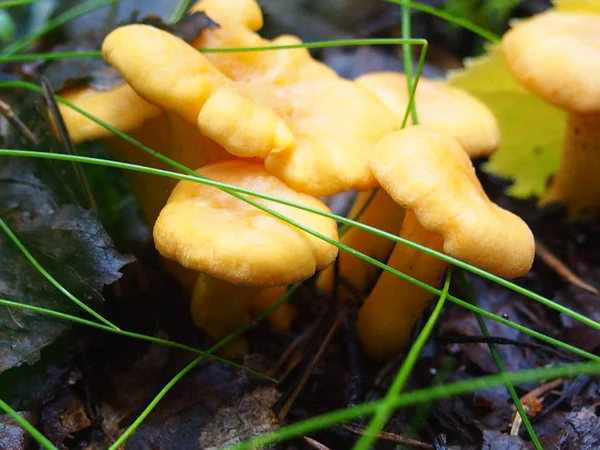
{"points": [[283, 124]]}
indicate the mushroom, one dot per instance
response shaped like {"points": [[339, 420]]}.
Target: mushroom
{"points": [[440, 107], [236, 247], [430, 175], [313, 129], [556, 55]]}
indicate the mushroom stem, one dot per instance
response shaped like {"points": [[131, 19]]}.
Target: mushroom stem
{"points": [[382, 213], [388, 314], [577, 184], [220, 308]]}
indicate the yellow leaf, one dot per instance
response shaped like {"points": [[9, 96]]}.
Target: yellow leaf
{"points": [[532, 130], [591, 6]]}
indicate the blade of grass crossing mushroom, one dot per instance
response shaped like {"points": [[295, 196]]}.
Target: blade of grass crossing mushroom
{"points": [[502, 282], [412, 398], [131, 429], [58, 21], [384, 412], [455, 20], [382, 415], [408, 67], [25, 425], [13, 237], [143, 337], [501, 368], [308, 45]]}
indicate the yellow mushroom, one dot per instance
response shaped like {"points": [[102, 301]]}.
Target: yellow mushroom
{"points": [[430, 175], [236, 247], [556, 55], [440, 107], [314, 130]]}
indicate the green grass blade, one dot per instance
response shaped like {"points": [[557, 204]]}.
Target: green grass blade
{"points": [[179, 11], [13, 237], [386, 409], [24, 423], [502, 369], [458, 21], [308, 45], [408, 63], [24, 57], [58, 21], [143, 337], [412, 398], [10, 3]]}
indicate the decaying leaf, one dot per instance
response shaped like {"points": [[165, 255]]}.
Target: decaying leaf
{"points": [[68, 241], [532, 130]]}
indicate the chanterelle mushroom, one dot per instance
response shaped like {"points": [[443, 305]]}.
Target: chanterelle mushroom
{"points": [[236, 247], [448, 211], [556, 55], [441, 108], [314, 130]]}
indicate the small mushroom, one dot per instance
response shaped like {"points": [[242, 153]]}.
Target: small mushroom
{"points": [[236, 247], [430, 175], [441, 108], [556, 55]]}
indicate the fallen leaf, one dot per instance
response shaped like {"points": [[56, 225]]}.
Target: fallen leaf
{"points": [[532, 131], [68, 241]]}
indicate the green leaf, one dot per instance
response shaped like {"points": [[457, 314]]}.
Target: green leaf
{"points": [[532, 131]]}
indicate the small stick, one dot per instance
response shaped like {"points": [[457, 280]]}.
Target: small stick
{"points": [[561, 268], [315, 444], [392, 437], [7, 112], [304, 378]]}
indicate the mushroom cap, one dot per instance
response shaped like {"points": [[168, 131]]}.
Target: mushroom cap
{"points": [[315, 130], [173, 75], [210, 231], [429, 173], [120, 107], [556, 55], [440, 107]]}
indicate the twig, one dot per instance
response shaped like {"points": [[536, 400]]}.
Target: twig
{"points": [[306, 374], [7, 112], [561, 268], [500, 341], [392, 437], [315, 444], [532, 403]]}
